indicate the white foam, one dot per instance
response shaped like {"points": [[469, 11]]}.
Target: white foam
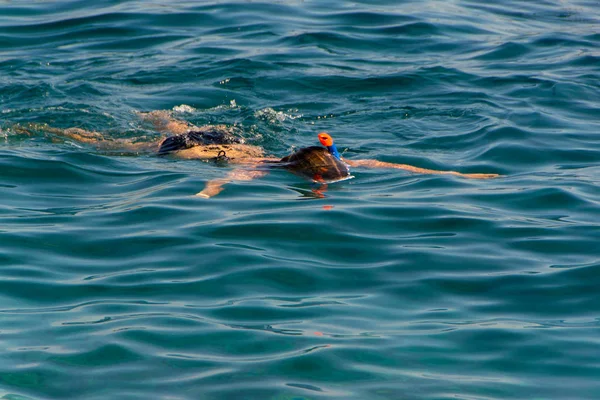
{"points": [[184, 108], [272, 116]]}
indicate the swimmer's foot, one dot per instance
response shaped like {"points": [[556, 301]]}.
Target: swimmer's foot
{"points": [[152, 116], [164, 122], [30, 129], [21, 130]]}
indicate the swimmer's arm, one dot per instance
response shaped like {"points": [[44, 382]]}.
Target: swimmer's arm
{"points": [[382, 164], [215, 186]]}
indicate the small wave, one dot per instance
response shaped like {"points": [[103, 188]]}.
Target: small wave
{"points": [[272, 116]]}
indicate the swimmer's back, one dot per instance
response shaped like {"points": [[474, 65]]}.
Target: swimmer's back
{"points": [[203, 136]]}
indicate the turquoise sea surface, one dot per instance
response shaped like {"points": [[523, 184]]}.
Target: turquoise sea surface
{"points": [[116, 282]]}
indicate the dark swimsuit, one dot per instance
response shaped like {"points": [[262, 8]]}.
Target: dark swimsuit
{"points": [[197, 138]]}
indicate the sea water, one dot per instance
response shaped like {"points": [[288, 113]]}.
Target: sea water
{"points": [[117, 283]]}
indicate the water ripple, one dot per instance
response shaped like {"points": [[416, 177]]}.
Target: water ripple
{"points": [[390, 285]]}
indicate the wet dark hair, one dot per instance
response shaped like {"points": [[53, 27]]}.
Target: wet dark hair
{"points": [[316, 163]]}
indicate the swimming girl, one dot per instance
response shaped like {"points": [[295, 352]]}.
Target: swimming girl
{"points": [[220, 143]]}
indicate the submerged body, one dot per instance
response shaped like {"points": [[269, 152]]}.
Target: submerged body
{"points": [[221, 143]]}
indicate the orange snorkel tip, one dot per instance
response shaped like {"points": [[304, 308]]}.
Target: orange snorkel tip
{"points": [[325, 139]]}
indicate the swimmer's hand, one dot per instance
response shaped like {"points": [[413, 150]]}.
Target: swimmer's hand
{"points": [[212, 189], [479, 176], [215, 186]]}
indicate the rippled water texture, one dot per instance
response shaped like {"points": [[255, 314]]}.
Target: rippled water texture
{"points": [[117, 283]]}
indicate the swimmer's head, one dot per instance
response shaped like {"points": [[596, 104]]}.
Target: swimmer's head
{"points": [[327, 141]]}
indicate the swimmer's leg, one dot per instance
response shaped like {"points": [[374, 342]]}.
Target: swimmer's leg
{"points": [[382, 164], [215, 186], [95, 139], [77, 134]]}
